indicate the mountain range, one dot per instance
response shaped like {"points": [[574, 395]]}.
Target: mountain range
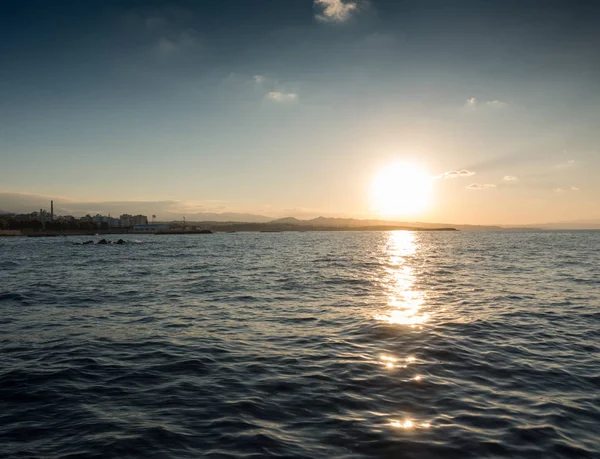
{"points": [[355, 222]]}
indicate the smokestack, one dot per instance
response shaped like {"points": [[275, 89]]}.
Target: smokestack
{"points": [[51, 211]]}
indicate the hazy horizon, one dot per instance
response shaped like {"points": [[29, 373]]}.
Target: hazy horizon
{"points": [[173, 210], [297, 108]]}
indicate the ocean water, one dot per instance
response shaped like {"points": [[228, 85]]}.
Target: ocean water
{"points": [[302, 345]]}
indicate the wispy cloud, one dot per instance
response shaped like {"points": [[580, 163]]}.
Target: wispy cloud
{"points": [[566, 164], [510, 178], [496, 104], [166, 30], [473, 104], [154, 22], [564, 190], [283, 97], [335, 10], [165, 46], [480, 186], [456, 174], [273, 90], [169, 45]]}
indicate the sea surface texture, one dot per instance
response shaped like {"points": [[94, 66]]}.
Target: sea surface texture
{"points": [[302, 345]]}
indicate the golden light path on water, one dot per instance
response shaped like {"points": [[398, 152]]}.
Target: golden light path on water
{"points": [[405, 303]]}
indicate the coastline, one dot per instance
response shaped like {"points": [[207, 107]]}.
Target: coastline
{"points": [[231, 228]]}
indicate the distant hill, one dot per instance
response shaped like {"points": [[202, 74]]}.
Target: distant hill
{"points": [[288, 221], [572, 225], [281, 227], [355, 222], [218, 217]]}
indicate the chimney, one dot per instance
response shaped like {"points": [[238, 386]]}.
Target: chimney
{"points": [[51, 211]]}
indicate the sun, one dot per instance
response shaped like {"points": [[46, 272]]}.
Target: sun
{"points": [[401, 189]]}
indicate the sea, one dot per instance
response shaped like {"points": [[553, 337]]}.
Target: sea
{"points": [[301, 345]]}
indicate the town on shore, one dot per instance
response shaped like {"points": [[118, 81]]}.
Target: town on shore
{"points": [[46, 223]]}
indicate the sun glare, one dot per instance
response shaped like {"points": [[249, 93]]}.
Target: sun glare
{"points": [[401, 189]]}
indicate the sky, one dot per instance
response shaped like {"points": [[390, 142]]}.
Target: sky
{"points": [[291, 108]]}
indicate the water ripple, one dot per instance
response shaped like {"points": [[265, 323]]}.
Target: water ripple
{"points": [[302, 345]]}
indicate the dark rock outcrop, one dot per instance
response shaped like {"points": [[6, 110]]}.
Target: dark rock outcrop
{"points": [[83, 243]]}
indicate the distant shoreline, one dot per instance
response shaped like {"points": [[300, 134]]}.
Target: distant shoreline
{"points": [[12, 233], [231, 228]]}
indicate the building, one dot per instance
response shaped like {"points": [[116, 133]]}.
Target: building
{"points": [[99, 219], [140, 220], [127, 221], [151, 228]]}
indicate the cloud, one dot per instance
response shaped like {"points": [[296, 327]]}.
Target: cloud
{"points": [[155, 22], [273, 90], [563, 190], [335, 10], [480, 186], [167, 46], [282, 97], [567, 164], [472, 104], [456, 174], [510, 178], [496, 104]]}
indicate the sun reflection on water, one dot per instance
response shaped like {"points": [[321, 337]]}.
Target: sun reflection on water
{"points": [[404, 303], [409, 424], [404, 300]]}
